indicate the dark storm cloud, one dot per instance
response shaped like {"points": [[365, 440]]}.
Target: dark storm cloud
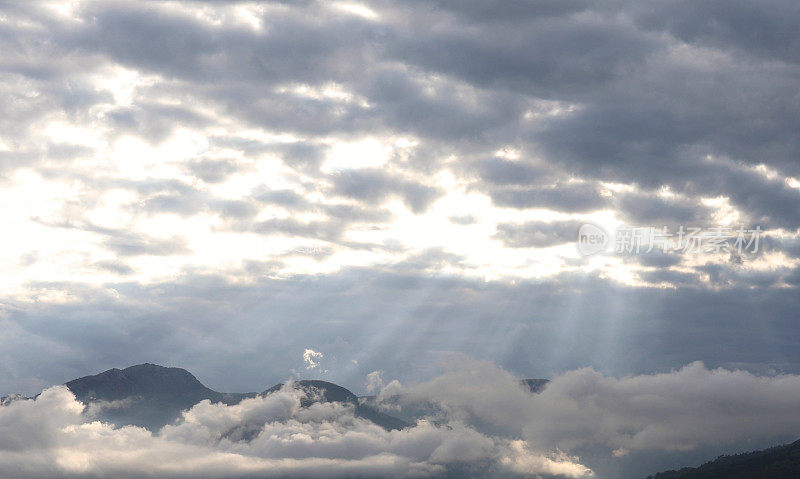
{"points": [[534, 328], [339, 49], [652, 120], [128, 243], [288, 198], [722, 274], [645, 106], [337, 219], [189, 205], [375, 185], [654, 259], [504, 172], [114, 266], [183, 205], [770, 202], [537, 234], [761, 29], [212, 170], [647, 112], [463, 219], [649, 209], [506, 11], [431, 258], [547, 55], [656, 87], [125, 244], [672, 277], [153, 122], [324, 230], [569, 197], [788, 245], [67, 151]]}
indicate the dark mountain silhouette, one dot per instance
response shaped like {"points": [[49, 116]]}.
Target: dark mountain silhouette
{"points": [[535, 385], [317, 390], [145, 395], [780, 462], [147, 380], [152, 396]]}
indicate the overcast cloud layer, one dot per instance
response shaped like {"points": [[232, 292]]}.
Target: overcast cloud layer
{"points": [[222, 186]]}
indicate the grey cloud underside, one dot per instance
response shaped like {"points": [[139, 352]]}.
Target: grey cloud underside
{"points": [[537, 234], [375, 185], [655, 87], [650, 105], [395, 321]]}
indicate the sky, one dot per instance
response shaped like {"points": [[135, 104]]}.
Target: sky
{"points": [[390, 195], [260, 191], [222, 186]]}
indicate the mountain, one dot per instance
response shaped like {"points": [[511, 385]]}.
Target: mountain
{"points": [[145, 395], [781, 462], [152, 396]]}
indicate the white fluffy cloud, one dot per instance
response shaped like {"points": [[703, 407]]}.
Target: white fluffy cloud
{"points": [[484, 423], [311, 358], [674, 411], [268, 436]]}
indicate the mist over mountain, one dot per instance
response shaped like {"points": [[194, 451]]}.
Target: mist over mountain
{"points": [[316, 390], [473, 420], [145, 395], [153, 396]]}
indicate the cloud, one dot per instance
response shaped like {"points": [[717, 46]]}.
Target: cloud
{"points": [[373, 185], [537, 233], [677, 410], [534, 328], [374, 382], [113, 266], [573, 198], [309, 356], [639, 418], [504, 172], [166, 167], [484, 424], [269, 436]]}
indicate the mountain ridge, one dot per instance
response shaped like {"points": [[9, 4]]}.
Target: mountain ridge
{"points": [[778, 462], [152, 396]]}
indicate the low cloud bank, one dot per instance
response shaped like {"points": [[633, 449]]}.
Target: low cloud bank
{"points": [[481, 422], [682, 410], [270, 436]]}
